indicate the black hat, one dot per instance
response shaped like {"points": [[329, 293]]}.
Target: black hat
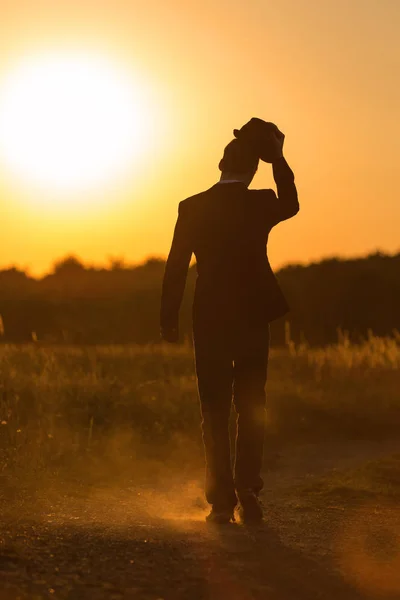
{"points": [[257, 134]]}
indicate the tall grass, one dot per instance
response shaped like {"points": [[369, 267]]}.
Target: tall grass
{"points": [[374, 353], [59, 403]]}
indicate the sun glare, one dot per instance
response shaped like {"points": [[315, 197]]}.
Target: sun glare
{"points": [[69, 122]]}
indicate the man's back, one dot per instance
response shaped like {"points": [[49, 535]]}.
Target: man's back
{"points": [[227, 228]]}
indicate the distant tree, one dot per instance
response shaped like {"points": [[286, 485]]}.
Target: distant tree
{"points": [[154, 261], [69, 265], [117, 263], [120, 304]]}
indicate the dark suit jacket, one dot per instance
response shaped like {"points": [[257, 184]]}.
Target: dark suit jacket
{"points": [[227, 229]]}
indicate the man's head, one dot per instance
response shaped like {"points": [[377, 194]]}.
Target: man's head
{"points": [[239, 162]]}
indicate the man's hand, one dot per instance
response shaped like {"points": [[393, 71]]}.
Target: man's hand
{"points": [[170, 335], [276, 145], [264, 137]]}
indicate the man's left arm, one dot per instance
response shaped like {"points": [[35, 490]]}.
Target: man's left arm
{"points": [[175, 275], [288, 202]]}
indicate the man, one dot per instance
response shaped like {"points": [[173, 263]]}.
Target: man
{"points": [[236, 297]]}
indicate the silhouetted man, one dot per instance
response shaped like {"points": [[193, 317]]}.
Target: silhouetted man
{"points": [[236, 297]]}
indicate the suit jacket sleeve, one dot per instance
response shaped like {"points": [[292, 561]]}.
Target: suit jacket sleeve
{"points": [[286, 204], [176, 271]]}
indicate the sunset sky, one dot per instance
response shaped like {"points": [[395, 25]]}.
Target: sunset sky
{"points": [[326, 71]]}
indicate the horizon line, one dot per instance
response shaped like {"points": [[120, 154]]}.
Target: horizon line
{"points": [[115, 263]]}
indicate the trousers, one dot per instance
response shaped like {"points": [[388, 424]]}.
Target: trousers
{"points": [[232, 365]]}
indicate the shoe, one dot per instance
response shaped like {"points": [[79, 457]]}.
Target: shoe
{"points": [[220, 516], [251, 509]]}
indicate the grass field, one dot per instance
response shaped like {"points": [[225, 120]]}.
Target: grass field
{"points": [[59, 403], [101, 477]]}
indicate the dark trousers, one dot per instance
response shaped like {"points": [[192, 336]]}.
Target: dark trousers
{"points": [[232, 363]]}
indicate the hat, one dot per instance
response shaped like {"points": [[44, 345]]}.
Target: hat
{"points": [[257, 134]]}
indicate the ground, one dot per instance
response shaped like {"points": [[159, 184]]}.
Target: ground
{"points": [[323, 537]]}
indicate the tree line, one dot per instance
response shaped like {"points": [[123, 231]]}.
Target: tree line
{"points": [[80, 304]]}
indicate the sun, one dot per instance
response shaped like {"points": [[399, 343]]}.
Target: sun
{"points": [[72, 121]]}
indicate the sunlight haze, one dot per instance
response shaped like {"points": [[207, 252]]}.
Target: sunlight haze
{"points": [[84, 123], [172, 81]]}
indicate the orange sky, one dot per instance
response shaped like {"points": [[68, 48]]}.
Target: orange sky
{"points": [[327, 72]]}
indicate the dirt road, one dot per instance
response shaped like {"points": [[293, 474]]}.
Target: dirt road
{"points": [[133, 541]]}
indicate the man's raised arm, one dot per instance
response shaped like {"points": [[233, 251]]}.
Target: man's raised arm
{"points": [[175, 278], [287, 204]]}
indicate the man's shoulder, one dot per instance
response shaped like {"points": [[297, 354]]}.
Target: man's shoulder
{"points": [[198, 201], [266, 193], [195, 200]]}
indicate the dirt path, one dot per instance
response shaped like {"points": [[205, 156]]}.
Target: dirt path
{"points": [[135, 542]]}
